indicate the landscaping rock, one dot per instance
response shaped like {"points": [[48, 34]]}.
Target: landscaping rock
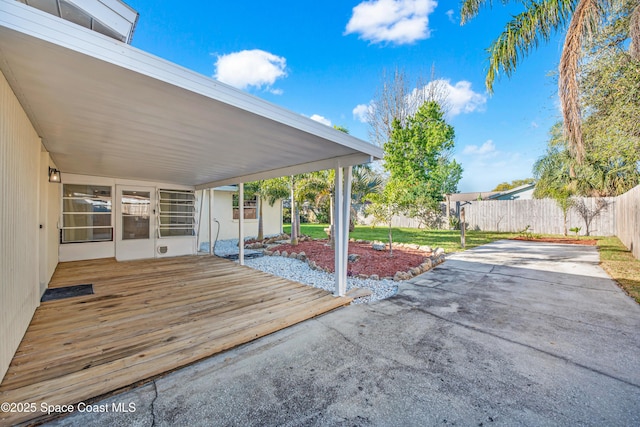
{"points": [[362, 276], [416, 270], [293, 255], [275, 253], [284, 254], [374, 277], [439, 251], [268, 253], [302, 256], [379, 246], [425, 248], [353, 258]]}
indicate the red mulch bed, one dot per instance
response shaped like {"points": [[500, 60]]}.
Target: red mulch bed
{"points": [[568, 240], [370, 262]]}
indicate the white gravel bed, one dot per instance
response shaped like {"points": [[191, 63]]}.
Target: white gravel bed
{"points": [[300, 271]]}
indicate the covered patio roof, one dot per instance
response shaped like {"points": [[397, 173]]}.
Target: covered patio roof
{"points": [[104, 108]]}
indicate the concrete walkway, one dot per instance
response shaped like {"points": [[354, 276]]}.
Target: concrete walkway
{"points": [[507, 334]]}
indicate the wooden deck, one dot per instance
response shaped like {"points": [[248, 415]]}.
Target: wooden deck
{"points": [[146, 318]]}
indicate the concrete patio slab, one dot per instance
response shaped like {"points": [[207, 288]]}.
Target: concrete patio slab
{"points": [[510, 333]]}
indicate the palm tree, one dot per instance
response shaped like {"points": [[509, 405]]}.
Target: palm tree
{"points": [[539, 21]]}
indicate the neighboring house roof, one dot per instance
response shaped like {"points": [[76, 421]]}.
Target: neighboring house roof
{"points": [[523, 191], [469, 197], [515, 193], [105, 108]]}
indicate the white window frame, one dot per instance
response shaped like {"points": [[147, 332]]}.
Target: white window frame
{"points": [[109, 202], [250, 204], [178, 220]]}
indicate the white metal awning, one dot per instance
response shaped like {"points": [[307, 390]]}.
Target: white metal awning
{"points": [[105, 108], [112, 18]]}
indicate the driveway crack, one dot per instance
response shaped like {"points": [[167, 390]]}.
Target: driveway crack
{"points": [[153, 402]]}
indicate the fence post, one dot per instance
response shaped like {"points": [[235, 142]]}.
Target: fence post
{"points": [[462, 228]]}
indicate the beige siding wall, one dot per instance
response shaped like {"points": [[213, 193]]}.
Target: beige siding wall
{"points": [[223, 212], [50, 196], [628, 220], [19, 211]]}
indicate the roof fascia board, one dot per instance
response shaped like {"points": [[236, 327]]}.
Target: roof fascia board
{"points": [[344, 161], [35, 23]]}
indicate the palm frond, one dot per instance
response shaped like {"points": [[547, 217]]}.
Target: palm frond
{"points": [[539, 21], [586, 17], [634, 32], [470, 9]]}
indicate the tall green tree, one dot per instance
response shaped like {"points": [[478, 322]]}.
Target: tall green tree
{"points": [[538, 22], [608, 170], [418, 159]]}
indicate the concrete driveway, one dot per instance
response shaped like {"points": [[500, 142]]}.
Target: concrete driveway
{"points": [[511, 333]]}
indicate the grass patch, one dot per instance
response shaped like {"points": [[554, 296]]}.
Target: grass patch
{"points": [[449, 240], [620, 264]]}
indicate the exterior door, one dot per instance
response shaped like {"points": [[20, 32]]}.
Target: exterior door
{"points": [[135, 222]]}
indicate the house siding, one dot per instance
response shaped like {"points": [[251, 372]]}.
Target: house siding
{"points": [[50, 194], [223, 212], [19, 215]]}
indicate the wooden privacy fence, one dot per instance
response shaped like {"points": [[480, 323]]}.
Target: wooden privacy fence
{"points": [[543, 216], [628, 220]]}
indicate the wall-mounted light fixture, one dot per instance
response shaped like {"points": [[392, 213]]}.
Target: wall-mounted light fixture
{"points": [[54, 175]]}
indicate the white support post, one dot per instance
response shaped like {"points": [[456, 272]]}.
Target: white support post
{"points": [[211, 248], [241, 223], [346, 205], [339, 266]]}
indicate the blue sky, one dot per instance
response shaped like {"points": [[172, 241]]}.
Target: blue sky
{"points": [[324, 60]]}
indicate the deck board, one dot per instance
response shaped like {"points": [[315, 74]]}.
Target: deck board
{"points": [[146, 318]]}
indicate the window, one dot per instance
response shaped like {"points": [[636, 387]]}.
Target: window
{"points": [[250, 207], [176, 213], [86, 213], [136, 209]]}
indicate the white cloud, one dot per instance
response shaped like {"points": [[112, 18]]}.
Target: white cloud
{"points": [[396, 21], [459, 98], [487, 149], [450, 14], [534, 125], [462, 99], [251, 68], [318, 118], [361, 112]]}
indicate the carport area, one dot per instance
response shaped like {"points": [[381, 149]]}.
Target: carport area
{"points": [[510, 333]]}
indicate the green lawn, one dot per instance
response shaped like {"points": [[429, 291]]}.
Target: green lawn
{"points": [[619, 262], [449, 240]]}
